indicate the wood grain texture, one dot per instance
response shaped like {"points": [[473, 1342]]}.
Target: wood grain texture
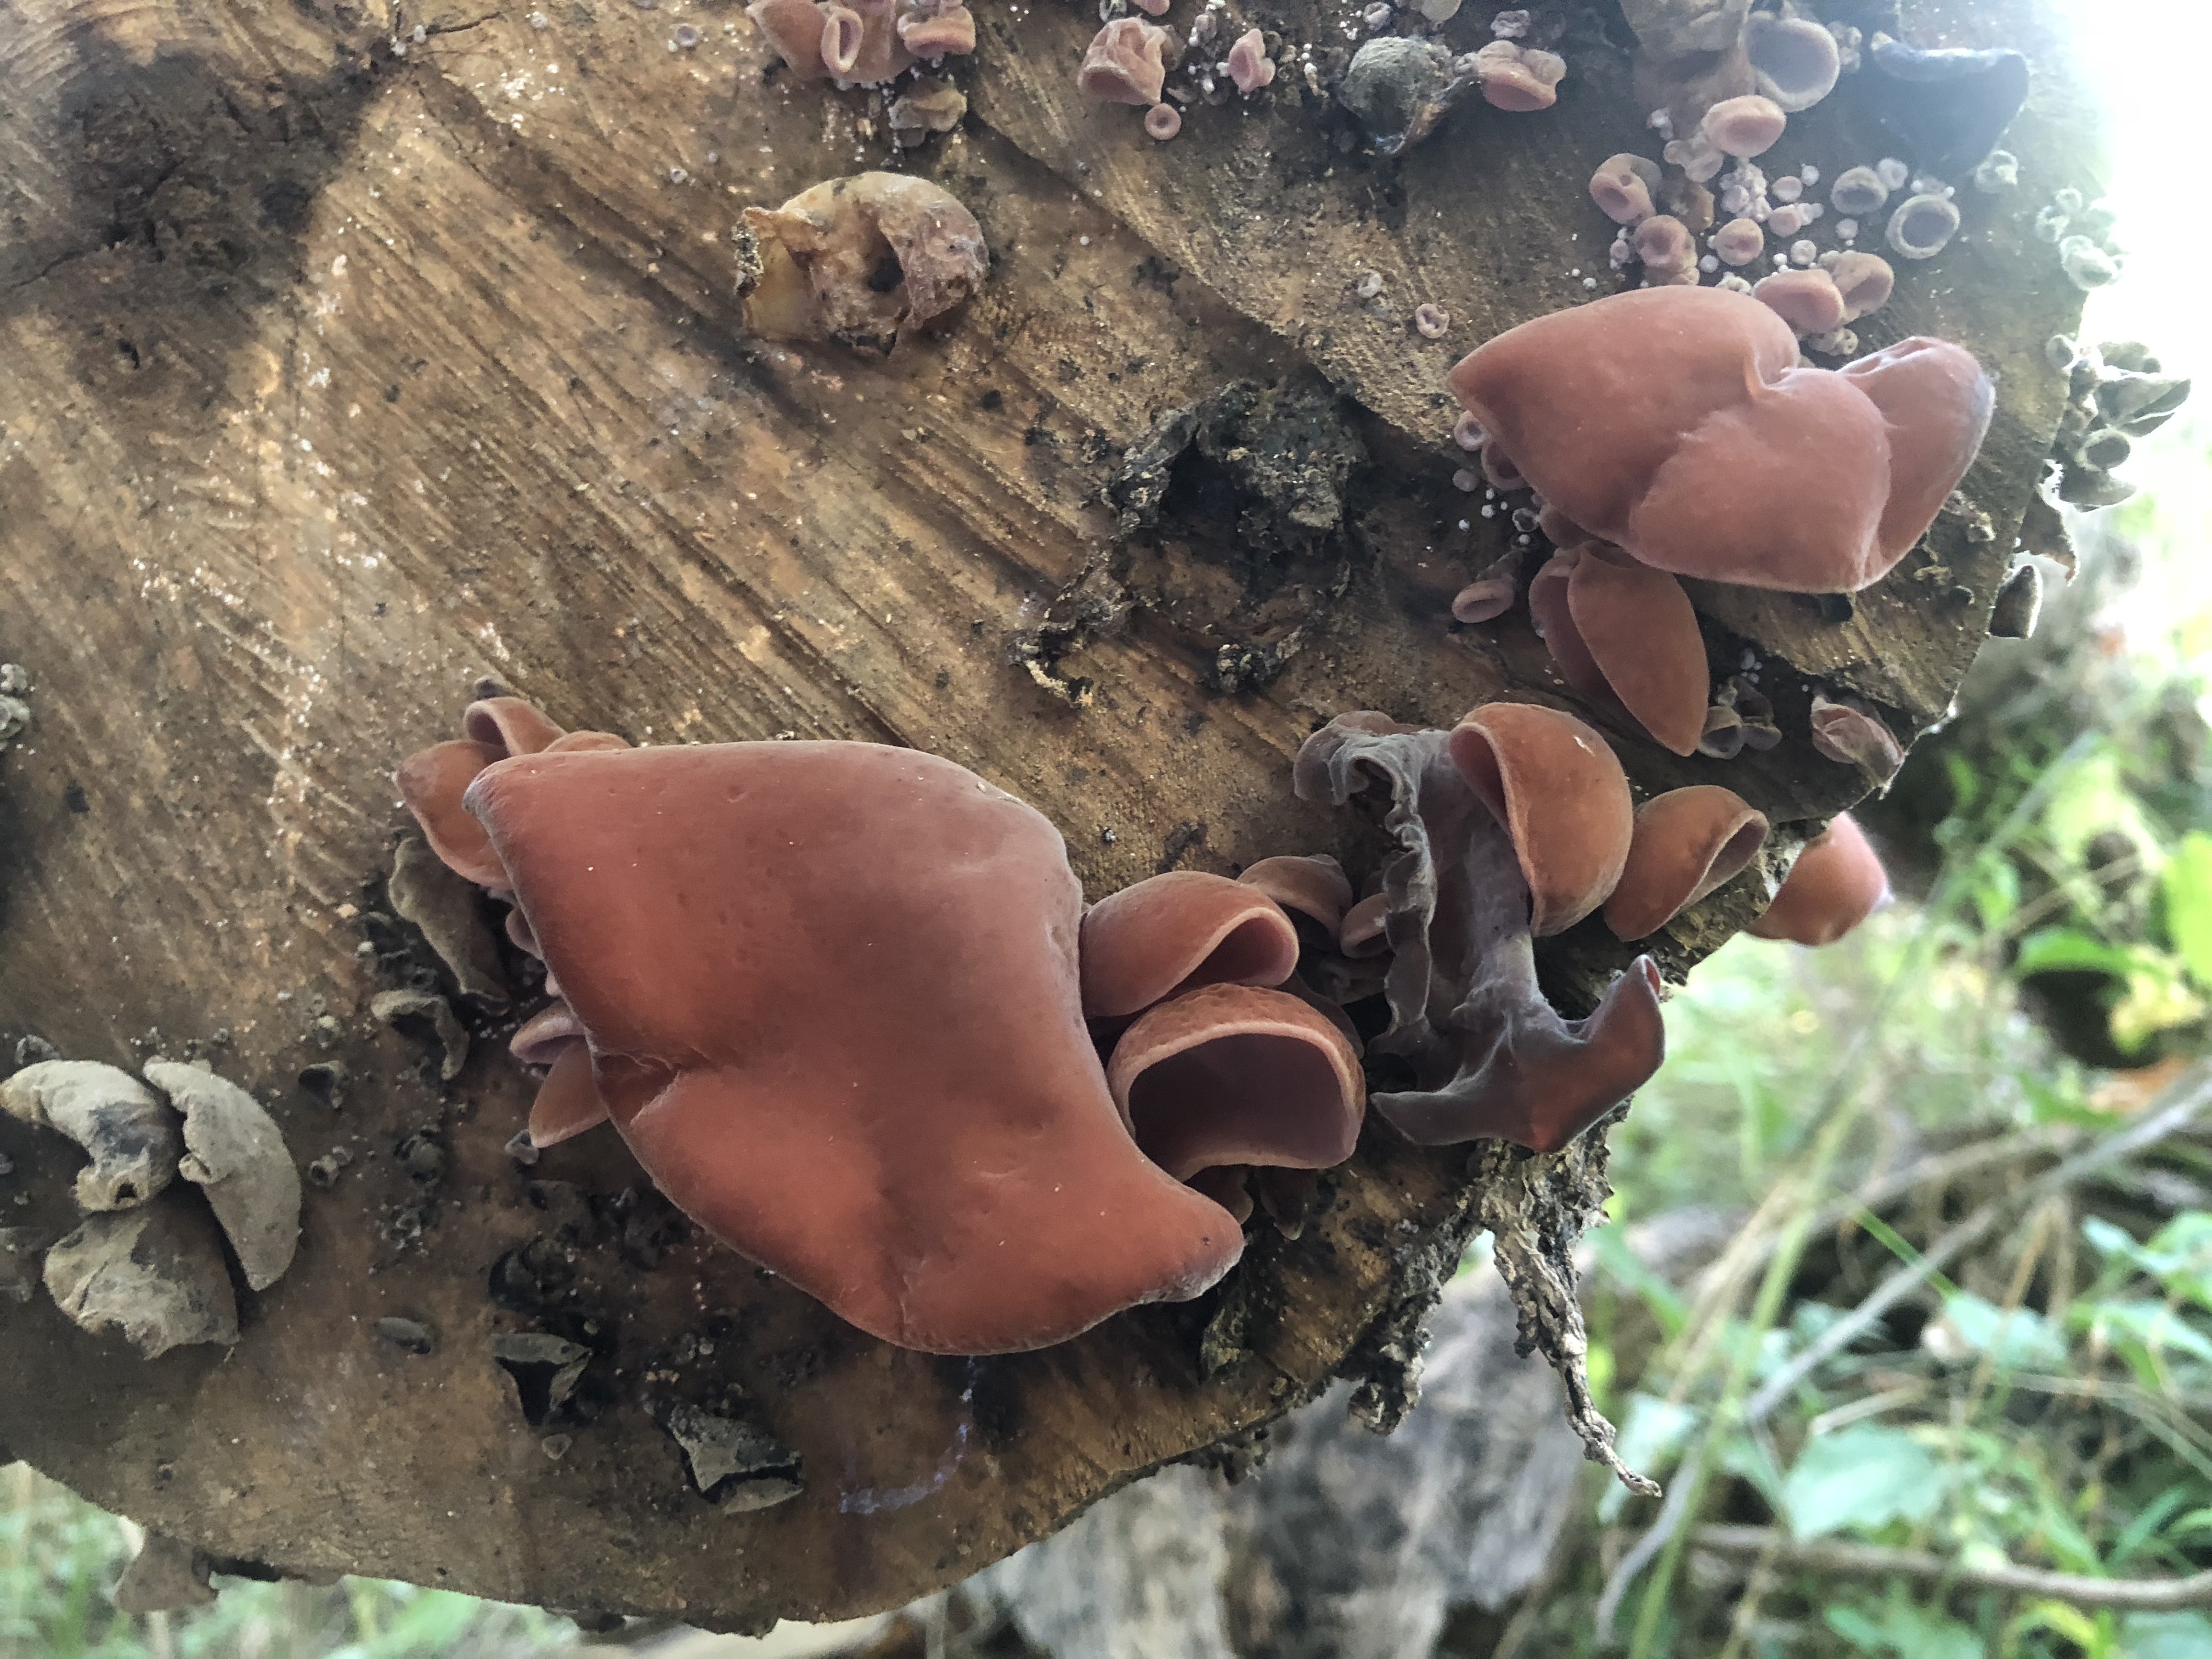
{"points": [[337, 379]]}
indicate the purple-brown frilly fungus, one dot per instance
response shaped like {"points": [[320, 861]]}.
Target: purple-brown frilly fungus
{"points": [[935, 1154], [1667, 249], [1125, 64], [1855, 737], [1518, 78], [1864, 280], [1622, 187], [1795, 60], [1228, 1077], [1431, 322], [1674, 422], [822, 260], [1809, 300], [1837, 883], [1515, 825], [1625, 636], [934, 30], [1249, 66], [856, 42], [1163, 121], [1739, 242], [1746, 127], [1688, 843], [1174, 933]]}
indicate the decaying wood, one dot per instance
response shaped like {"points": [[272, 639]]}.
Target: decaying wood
{"points": [[339, 376]]}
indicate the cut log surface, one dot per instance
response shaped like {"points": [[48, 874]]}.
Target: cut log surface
{"points": [[340, 375]]}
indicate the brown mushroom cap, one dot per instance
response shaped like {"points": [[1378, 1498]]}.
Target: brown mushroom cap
{"points": [[1865, 281], [432, 782], [1625, 635], [1234, 1074], [1749, 125], [568, 1100], [1688, 843], [833, 1004], [1310, 884], [1674, 422], [1561, 794], [1124, 62], [1837, 883], [1178, 931]]}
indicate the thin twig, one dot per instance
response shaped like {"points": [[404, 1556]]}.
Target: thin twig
{"points": [[2190, 1094], [1829, 1555]]}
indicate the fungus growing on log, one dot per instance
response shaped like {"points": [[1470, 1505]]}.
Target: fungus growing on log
{"points": [[859, 260], [1795, 59], [130, 1135], [1229, 1077], [1625, 636], [1518, 78], [1516, 825], [1311, 886], [1622, 188], [854, 42], [935, 29], [864, 1064], [1125, 63], [1837, 883], [1675, 423], [1809, 300], [1687, 843], [1747, 126], [1175, 931], [1249, 66]]}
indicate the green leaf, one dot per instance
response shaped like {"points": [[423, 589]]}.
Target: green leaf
{"points": [[1861, 1477], [2186, 888], [2165, 1636], [2020, 1341], [2051, 950], [1904, 1631]]}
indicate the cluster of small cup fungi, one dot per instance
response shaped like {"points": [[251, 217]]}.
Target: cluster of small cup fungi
{"points": [[869, 43], [899, 1063], [1782, 64], [1129, 59]]}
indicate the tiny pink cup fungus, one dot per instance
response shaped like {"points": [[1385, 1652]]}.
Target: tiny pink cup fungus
{"points": [[865, 1065], [1124, 64], [843, 34], [1739, 242], [1796, 59], [1249, 66], [935, 29], [1515, 795], [1857, 737], [1163, 121], [1518, 78], [1676, 423], [1622, 188], [1837, 883], [1178, 931], [1865, 281], [1747, 126], [1688, 843], [794, 28], [1229, 1076], [1667, 249], [1809, 300], [1626, 637], [1488, 597]]}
